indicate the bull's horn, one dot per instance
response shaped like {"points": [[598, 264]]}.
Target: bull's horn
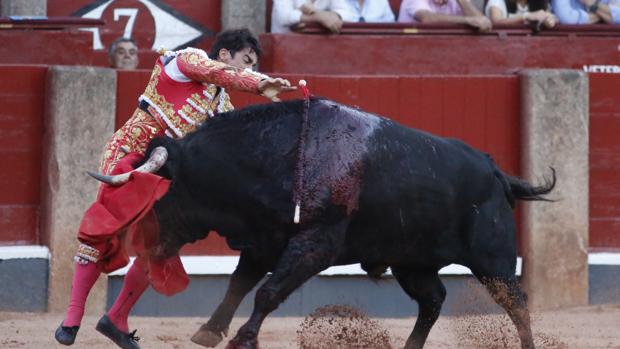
{"points": [[153, 164]]}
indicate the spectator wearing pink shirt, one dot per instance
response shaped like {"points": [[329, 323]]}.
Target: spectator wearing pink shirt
{"points": [[443, 11]]}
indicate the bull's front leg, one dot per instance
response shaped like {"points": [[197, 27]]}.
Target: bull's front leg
{"points": [[247, 274], [307, 254]]}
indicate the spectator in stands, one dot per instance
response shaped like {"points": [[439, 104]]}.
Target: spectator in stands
{"points": [[371, 11], [587, 11], [123, 54], [520, 11], [443, 11], [292, 14]]}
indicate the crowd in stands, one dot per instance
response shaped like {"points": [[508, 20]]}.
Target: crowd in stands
{"points": [[291, 15]]}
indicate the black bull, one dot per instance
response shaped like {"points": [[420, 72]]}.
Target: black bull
{"points": [[372, 192]]}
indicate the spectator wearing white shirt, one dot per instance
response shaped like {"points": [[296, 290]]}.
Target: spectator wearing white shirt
{"points": [[587, 11], [371, 11], [288, 14], [519, 11]]}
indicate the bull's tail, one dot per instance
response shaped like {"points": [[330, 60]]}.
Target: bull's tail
{"points": [[518, 189], [522, 190]]}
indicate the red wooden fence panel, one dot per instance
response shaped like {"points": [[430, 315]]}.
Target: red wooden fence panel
{"points": [[604, 161], [129, 86], [435, 53], [21, 130]]}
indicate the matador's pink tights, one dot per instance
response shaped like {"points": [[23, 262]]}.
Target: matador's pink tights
{"points": [[136, 282], [84, 278]]}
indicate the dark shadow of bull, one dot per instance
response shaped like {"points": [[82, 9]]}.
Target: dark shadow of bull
{"points": [[371, 191]]}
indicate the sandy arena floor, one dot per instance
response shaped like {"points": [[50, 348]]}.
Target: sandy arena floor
{"points": [[578, 328]]}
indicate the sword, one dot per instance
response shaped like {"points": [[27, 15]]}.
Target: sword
{"points": [[299, 169]]}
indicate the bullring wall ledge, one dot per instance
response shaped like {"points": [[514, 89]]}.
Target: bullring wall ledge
{"points": [[225, 265]]}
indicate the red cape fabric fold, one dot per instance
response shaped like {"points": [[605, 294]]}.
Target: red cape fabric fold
{"points": [[128, 209]]}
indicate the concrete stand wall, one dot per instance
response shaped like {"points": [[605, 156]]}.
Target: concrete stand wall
{"points": [[80, 107], [244, 14], [554, 108], [24, 284], [26, 8], [378, 299]]}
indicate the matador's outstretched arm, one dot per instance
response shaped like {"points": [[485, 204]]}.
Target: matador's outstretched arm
{"points": [[198, 67]]}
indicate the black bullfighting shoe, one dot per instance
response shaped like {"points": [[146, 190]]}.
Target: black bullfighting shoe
{"points": [[122, 339], [66, 335]]}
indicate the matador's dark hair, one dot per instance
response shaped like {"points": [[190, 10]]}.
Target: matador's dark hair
{"points": [[234, 40]]}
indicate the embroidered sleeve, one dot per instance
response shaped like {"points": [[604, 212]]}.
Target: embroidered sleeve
{"points": [[200, 68]]}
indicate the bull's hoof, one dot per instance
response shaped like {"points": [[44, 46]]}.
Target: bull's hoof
{"points": [[207, 338], [233, 344]]}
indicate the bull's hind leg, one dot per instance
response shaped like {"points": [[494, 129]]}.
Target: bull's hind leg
{"points": [[507, 292], [308, 253], [426, 288], [247, 274], [493, 262]]}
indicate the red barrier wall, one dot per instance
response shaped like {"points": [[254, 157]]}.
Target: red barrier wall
{"points": [[604, 161], [425, 54], [21, 130], [66, 47], [482, 110]]}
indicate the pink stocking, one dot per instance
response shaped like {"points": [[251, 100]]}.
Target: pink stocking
{"points": [[136, 282], [84, 278]]}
